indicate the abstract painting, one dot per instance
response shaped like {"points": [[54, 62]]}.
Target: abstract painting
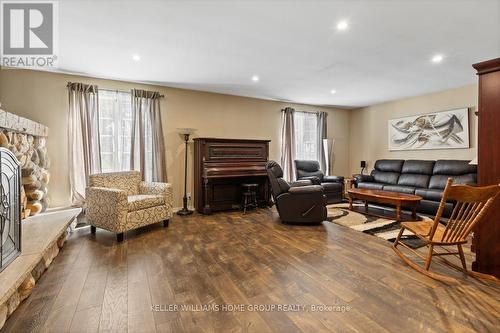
{"points": [[438, 130]]}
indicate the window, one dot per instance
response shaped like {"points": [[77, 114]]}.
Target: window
{"points": [[306, 136], [115, 127]]}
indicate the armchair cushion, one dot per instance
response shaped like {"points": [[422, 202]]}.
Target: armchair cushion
{"points": [[162, 189], [143, 201], [127, 181], [308, 168]]}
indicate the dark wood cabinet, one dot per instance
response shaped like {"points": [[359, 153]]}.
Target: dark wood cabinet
{"points": [[486, 241], [222, 165]]}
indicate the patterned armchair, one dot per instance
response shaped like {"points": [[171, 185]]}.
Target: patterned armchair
{"points": [[120, 201]]}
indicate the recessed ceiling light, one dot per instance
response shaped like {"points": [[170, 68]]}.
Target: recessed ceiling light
{"points": [[342, 25], [437, 58], [255, 78], [136, 57], [333, 91]]}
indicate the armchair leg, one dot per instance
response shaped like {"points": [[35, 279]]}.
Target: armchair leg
{"points": [[92, 230], [119, 237], [165, 223]]}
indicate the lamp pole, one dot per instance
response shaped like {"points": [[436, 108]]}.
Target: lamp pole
{"points": [[185, 211]]}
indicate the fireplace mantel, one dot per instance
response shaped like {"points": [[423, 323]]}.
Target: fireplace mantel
{"points": [[15, 123]]}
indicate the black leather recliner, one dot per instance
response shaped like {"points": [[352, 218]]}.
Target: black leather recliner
{"points": [[332, 185], [297, 202]]}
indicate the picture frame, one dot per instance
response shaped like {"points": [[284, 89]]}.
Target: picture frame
{"points": [[436, 130]]}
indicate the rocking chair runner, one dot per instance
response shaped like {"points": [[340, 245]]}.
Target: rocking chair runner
{"points": [[471, 204]]}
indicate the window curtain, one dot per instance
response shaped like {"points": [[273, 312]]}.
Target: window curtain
{"points": [[83, 132], [288, 143], [148, 147], [321, 134]]}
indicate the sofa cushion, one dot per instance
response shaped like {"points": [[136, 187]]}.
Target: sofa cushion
{"points": [[389, 165], [371, 186], [420, 167], [429, 194], [415, 180], [430, 207], [385, 177], [144, 201], [399, 189], [453, 167], [439, 181]]}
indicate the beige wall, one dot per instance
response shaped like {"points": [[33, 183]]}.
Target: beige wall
{"points": [[368, 133], [42, 96]]}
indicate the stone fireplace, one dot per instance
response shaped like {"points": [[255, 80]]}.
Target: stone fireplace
{"points": [[26, 139], [10, 208]]}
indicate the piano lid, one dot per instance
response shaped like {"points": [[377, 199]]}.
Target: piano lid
{"points": [[228, 170], [232, 150]]}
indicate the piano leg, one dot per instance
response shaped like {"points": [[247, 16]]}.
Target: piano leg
{"points": [[206, 209]]}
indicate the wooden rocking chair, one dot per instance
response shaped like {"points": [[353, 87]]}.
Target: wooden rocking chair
{"points": [[471, 204]]}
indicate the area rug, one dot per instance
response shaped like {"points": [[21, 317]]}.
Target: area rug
{"points": [[384, 228]]}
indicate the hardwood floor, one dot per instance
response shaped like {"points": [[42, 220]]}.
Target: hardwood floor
{"points": [[97, 284]]}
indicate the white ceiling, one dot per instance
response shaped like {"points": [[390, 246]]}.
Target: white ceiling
{"points": [[293, 46]]}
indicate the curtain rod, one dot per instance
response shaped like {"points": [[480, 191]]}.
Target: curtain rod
{"points": [[283, 110], [115, 90], [123, 91]]}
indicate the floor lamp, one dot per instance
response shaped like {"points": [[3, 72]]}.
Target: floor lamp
{"points": [[327, 153], [185, 132]]}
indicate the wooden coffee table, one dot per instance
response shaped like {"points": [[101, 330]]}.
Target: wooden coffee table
{"points": [[385, 197]]}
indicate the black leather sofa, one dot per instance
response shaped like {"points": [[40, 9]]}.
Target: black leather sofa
{"points": [[420, 177], [297, 202], [332, 185]]}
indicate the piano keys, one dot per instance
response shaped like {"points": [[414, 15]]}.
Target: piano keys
{"points": [[222, 165]]}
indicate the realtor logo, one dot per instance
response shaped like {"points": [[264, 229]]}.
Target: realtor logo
{"points": [[29, 33]]}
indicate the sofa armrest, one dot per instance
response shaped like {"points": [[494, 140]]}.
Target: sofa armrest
{"points": [[163, 189], [333, 179], [363, 178], [106, 208], [306, 189]]}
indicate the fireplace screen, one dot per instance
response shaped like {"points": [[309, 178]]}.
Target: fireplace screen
{"points": [[10, 207]]}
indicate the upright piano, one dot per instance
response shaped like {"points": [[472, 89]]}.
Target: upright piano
{"points": [[222, 165]]}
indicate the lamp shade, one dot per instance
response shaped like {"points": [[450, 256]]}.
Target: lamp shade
{"points": [[186, 131]]}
